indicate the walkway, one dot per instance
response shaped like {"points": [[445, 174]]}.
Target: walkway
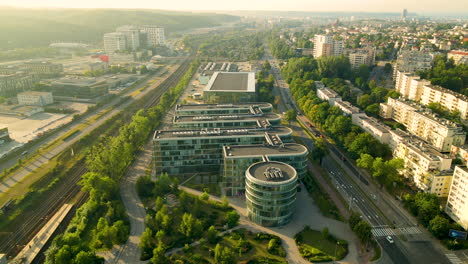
{"points": [[130, 252], [307, 213]]}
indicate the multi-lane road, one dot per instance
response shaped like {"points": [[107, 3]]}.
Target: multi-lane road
{"points": [[377, 207]]}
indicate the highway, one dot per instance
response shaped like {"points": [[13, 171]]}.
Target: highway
{"points": [[375, 205]]}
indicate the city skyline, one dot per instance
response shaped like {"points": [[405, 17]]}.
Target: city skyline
{"points": [[431, 7]]}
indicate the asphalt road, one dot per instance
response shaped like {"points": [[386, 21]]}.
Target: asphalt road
{"points": [[367, 201], [6, 184]]}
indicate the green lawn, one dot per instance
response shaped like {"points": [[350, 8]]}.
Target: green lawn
{"points": [[315, 247], [256, 253], [321, 198]]}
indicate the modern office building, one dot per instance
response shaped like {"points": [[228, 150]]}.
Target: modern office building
{"points": [[233, 120], [439, 132], [79, 87], [155, 35], [457, 207], [404, 14], [41, 70], [200, 150], [115, 41], [223, 109], [14, 83], [230, 87], [35, 98], [326, 45], [238, 158], [365, 56], [270, 193], [132, 36]]}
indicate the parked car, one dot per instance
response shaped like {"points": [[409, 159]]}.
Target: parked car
{"points": [[390, 239]]}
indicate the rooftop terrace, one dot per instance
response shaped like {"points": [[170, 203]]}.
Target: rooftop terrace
{"points": [[219, 132]]}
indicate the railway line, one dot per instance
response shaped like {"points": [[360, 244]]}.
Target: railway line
{"points": [[32, 221]]}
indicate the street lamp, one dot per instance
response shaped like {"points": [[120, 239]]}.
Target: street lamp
{"points": [[334, 255]]}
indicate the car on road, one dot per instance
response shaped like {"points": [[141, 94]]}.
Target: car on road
{"points": [[390, 239], [24, 153]]}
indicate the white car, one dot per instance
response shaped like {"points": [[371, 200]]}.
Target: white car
{"points": [[390, 239]]}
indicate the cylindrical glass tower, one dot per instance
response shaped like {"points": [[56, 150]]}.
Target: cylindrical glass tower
{"points": [[270, 189]]}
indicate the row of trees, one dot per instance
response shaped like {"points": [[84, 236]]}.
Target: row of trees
{"points": [[102, 222], [265, 84], [426, 207]]}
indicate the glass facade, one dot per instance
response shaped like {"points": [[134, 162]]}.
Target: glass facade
{"points": [[270, 203]]}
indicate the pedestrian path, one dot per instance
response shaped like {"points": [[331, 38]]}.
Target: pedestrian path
{"points": [[454, 259], [387, 231]]}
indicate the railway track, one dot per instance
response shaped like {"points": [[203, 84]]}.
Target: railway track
{"points": [[25, 230]]}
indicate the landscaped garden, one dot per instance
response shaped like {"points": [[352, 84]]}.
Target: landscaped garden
{"points": [[316, 246], [238, 246]]}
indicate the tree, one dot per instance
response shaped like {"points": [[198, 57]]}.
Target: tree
{"points": [[232, 218], [159, 256], [439, 226], [320, 150], [354, 219], [212, 235], [85, 257], [205, 196], [325, 232], [146, 244], [224, 202], [189, 226], [290, 115], [158, 204], [63, 255], [365, 161], [223, 255], [363, 230]]}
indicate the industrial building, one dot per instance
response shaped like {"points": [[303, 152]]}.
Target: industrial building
{"points": [[230, 87], [79, 87], [271, 188]]}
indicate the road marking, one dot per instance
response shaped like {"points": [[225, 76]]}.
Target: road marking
{"points": [[454, 258], [410, 230], [380, 232]]}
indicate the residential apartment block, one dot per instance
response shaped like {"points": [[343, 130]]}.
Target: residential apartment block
{"points": [[374, 127], [439, 132], [458, 56], [412, 87], [358, 57], [457, 204], [412, 61], [328, 95], [427, 168], [35, 98], [325, 45], [132, 36]]}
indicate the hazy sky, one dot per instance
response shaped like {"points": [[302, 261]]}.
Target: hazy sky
{"points": [[419, 6]]}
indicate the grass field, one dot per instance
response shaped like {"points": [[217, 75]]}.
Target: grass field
{"points": [[317, 246]]}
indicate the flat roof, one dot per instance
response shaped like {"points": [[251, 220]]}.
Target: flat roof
{"points": [[34, 93], [329, 92], [263, 171], [261, 150], [219, 132], [77, 81], [348, 106], [246, 106], [231, 82], [376, 124], [233, 117]]}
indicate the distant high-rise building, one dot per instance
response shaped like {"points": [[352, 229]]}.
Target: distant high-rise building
{"points": [[404, 14], [325, 45], [155, 35], [114, 41], [132, 35]]}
